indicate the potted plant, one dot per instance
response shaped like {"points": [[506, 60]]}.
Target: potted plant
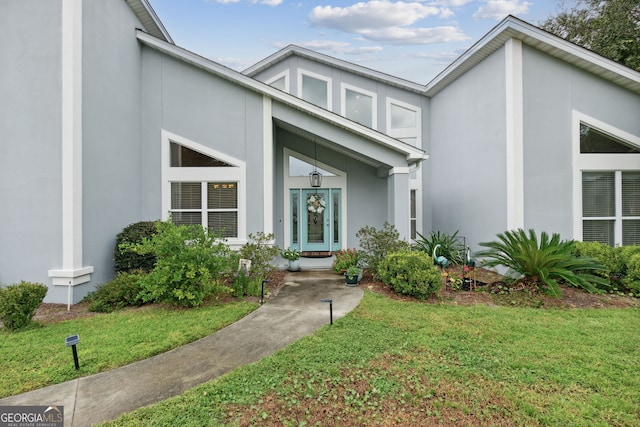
{"points": [[293, 255], [353, 275], [344, 259]]}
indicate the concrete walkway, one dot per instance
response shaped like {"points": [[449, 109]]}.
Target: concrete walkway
{"points": [[296, 311]]}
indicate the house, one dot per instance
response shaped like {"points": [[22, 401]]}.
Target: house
{"points": [[107, 122]]}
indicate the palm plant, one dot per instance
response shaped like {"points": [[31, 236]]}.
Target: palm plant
{"points": [[546, 262], [449, 245]]}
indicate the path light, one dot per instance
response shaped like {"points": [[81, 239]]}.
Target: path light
{"points": [[72, 341], [330, 301]]}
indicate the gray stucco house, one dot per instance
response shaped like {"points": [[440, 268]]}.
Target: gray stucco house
{"points": [[107, 122]]}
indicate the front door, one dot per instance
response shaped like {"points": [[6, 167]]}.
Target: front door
{"points": [[315, 219]]}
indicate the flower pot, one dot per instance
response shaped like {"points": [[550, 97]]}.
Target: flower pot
{"points": [[352, 280], [294, 264]]}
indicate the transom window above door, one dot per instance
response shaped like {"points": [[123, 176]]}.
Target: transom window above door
{"points": [[298, 167]]}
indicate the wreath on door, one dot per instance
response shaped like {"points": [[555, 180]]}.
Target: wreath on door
{"points": [[315, 203]]}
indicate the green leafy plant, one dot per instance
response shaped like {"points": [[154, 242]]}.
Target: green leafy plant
{"points": [[123, 291], [547, 261], [376, 244], [410, 273], [190, 264], [450, 246], [291, 254], [125, 259], [18, 304], [631, 280], [344, 259], [261, 251]]}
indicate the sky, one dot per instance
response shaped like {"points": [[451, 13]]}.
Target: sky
{"points": [[412, 39]]}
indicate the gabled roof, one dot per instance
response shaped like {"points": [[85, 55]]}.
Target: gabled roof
{"points": [[411, 153], [147, 16], [290, 50], [512, 27]]}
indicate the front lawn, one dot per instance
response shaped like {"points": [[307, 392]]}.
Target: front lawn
{"points": [[393, 362], [37, 357]]}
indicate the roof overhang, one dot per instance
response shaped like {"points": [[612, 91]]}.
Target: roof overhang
{"points": [[150, 21], [512, 27], [409, 152]]}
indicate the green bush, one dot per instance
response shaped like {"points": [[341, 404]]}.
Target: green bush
{"points": [[631, 280], [261, 251], [376, 244], [123, 291], [546, 262], [410, 273], [607, 256], [126, 260], [18, 303], [189, 264], [345, 258], [450, 246]]}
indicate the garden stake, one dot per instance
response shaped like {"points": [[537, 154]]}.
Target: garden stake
{"points": [[330, 301]]}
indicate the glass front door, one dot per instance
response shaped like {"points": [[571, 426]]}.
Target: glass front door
{"points": [[315, 219]]}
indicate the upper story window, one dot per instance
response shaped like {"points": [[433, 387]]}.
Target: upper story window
{"points": [[184, 157], [281, 82], [402, 118], [359, 105], [315, 89], [593, 140], [404, 122]]}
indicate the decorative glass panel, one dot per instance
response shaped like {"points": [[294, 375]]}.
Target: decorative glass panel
{"points": [[335, 195], [183, 157], [599, 231], [413, 214], [315, 218], [186, 195], [630, 193], [224, 223], [598, 194], [595, 141], [402, 118], [295, 202], [222, 195], [314, 91], [359, 107]]}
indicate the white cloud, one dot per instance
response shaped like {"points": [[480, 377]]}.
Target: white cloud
{"points": [[226, 1], [334, 47], [404, 36], [498, 9], [268, 2]]}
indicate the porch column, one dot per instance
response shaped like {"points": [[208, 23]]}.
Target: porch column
{"points": [[399, 201]]}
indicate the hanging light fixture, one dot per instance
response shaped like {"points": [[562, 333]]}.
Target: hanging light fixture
{"points": [[315, 177]]}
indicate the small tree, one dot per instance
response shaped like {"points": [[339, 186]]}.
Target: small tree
{"points": [[376, 244]]}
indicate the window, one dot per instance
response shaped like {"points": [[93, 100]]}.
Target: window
{"points": [[404, 122], [315, 89], [281, 81], [414, 214], [202, 186], [402, 118], [595, 141], [359, 105]]}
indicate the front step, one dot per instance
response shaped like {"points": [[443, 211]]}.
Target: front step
{"points": [[316, 254]]}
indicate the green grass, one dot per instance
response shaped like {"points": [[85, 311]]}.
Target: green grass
{"points": [[37, 357], [398, 363]]}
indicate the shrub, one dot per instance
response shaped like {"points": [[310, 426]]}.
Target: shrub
{"points": [[189, 264], [345, 258], [18, 303], [261, 251], [631, 280], [545, 263], [410, 273], [607, 256], [125, 259], [376, 244], [450, 246], [123, 291]]}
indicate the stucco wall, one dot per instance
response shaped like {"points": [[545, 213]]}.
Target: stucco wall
{"points": [[30, 152], [552, 90], [467, 147]]}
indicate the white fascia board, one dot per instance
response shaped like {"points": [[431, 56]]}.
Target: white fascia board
{"points": [[148, 17], [512, 27], [412, 153]]}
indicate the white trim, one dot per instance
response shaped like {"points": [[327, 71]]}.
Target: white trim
{"points": [[267, 165], [399, 170], [374, 102], [597, 162], [514, 134], [72, 273], [302, 72], [235, 174], [285, 75]]}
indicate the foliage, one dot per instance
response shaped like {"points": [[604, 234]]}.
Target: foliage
{"points": [[548, 262], [353, 271], [450, 246], [261, 251], [607, 256], [245, 284], [410, 273], [125, 259], [376, 244], [291, 254], [123, 291], [18, 303], [631, 280], [345, 258], [608, 27], [189, 267]]}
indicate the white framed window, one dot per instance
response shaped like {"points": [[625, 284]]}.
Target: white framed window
{"points": [[606, 182], [315, 88], [203, 186], [404, 122], [280, 81], [359, 105]]}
